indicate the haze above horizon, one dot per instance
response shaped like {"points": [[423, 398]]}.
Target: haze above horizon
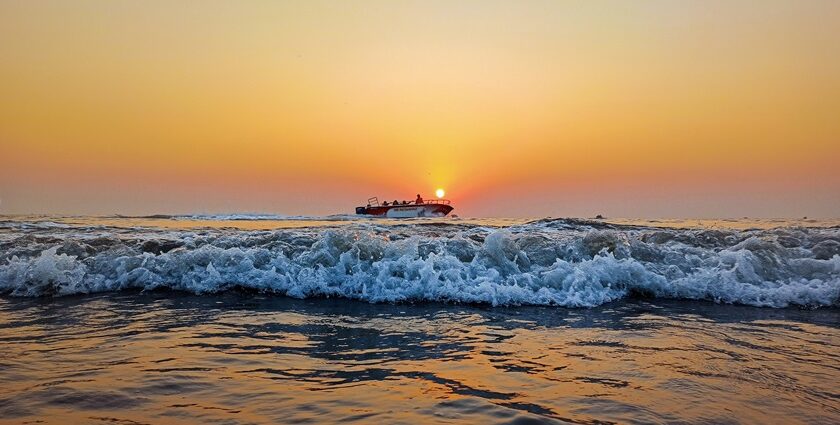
{"points": [[521, 109]]}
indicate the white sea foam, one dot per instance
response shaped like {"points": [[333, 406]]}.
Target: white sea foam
{"points": [[554, 262]]}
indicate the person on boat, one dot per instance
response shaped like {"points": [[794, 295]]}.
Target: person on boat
{"points": [[419, 200], [385, 204]]}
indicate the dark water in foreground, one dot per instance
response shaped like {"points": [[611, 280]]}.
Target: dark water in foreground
{"points": [[233, 358]]}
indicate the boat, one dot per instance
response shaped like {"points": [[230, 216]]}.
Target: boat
{"points": [[406, 209]]}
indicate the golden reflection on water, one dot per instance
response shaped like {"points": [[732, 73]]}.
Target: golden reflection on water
{"points": [[169, 358]]}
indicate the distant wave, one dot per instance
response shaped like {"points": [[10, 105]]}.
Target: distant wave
{"points": [[250, 216], [574, 263]]}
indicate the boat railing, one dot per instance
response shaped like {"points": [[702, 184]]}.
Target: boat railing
{"points": [[374, 202]]}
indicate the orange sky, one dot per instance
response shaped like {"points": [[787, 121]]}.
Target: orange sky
{"points": [[517, 108]]}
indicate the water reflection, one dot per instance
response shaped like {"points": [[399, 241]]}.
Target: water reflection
{"points": [[241, 358]]}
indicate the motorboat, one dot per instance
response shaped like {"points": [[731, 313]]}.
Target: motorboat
{"points": [[406, 209]]}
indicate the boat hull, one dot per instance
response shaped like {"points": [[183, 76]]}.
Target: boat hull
{"points": [[406, 211]]}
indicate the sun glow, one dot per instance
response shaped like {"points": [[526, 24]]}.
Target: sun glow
{"points": [[440, 193]]}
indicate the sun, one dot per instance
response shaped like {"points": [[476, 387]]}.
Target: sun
{"points": [[439, 193]]}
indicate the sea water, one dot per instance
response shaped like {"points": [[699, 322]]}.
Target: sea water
{"points": [[267, 319]]}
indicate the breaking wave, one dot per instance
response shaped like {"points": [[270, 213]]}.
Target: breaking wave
{"points": [[550, 262]]}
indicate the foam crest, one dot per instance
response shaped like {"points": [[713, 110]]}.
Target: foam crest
{"points": [[564, 263]]}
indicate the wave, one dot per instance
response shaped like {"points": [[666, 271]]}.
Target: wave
{"points": [[549, 262], [265, 217]]}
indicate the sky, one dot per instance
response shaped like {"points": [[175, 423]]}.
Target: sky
{"points": [[698, 109]]}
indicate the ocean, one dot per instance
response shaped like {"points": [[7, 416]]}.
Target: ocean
{"points": [[247, 319]]}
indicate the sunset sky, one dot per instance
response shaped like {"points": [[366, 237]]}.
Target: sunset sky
{"points": [[516, 108]]}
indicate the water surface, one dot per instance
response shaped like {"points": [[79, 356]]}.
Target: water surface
{"points": [[244, 358], [275, 319]]}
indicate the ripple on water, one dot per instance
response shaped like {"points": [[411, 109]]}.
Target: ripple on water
{"points": [[237, 358]]}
